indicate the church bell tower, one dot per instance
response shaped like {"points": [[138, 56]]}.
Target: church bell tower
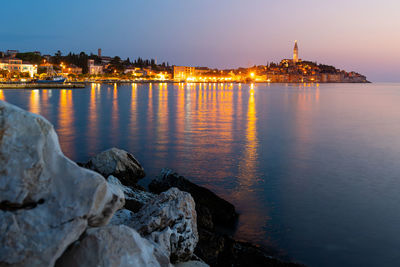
{"points": [[295, 53]]}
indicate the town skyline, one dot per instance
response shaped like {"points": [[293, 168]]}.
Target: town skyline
{"points": [[350, 35], [82, 67]]}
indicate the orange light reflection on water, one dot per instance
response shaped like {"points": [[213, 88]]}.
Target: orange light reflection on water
{"points": [[247, 177], [66, 129], [34, 101], [162, 118], [93, 127], [2, 97], [114, 115], [133, 115]]}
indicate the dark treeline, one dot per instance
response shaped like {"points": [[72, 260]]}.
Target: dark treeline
{"points": [[111, 64], [114, 64]]}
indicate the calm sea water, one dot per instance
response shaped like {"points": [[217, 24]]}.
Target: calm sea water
{"points": [[313, 170]]}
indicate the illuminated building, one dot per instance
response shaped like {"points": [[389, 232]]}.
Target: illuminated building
{"points": [[94, 69], [295, 53], [72, 69], [182, 73], [17, 65]]}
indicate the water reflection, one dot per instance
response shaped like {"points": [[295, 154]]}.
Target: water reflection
{"points": [[34, 103], [115, 131], [92, 133], [45, 105], [162, 118], [66, 128], [2, 97], [133, 113], [248, 176]]}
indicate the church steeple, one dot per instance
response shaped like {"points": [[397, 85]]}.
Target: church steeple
{"points": [[295, 53]]}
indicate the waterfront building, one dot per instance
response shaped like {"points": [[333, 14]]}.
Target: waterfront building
{"points": [[295, 53], [201, 70], [94, 69], [72, 69], [131, 70], [13, 64], [181, 73]]}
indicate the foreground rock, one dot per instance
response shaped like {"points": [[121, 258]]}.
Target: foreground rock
{"points": [[134, 198], [210, 208], [169, 220], [122, 216], [113, 246], [118, 163], [46, 200]]}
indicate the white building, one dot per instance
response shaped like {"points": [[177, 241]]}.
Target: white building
{"points": [[17, 65], [94, 69]]}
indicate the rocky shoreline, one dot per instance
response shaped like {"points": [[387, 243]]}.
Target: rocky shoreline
{"points": [[54, 212]]}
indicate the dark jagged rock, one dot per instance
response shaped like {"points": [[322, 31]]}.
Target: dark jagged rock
{"points": [[118, 163], [211, 209], [221, 250]]}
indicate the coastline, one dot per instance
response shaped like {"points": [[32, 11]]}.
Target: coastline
{"points": [[41, 86], [82, 85]]}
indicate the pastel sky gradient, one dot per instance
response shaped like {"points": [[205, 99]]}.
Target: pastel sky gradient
{"points": [[359, 35]]}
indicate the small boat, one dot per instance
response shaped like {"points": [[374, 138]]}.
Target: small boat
{"points": [[52, 79]]}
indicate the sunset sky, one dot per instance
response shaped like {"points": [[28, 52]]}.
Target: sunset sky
{"points": [[359, 35]]}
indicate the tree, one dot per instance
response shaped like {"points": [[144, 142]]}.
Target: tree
{"points": [[30, 57]]}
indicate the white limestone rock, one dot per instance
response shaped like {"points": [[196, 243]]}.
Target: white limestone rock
{"points": [[134, 198], [169, 220], [46, 200], [123, 216], [113, 246], [118, 163]]}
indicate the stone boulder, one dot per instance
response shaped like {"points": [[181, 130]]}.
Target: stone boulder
{"points": [[122, 216], [134, 198], [113, 246], [211, 209], [46, 200], [118, 163], [169, 220]]}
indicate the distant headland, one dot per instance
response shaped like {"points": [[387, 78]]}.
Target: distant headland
{"points": [[30, 66]]}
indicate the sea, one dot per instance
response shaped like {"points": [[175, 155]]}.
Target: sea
{"points": [[313, 169]]}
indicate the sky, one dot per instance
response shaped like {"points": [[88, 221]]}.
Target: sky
{"points": [[355, 35]]}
